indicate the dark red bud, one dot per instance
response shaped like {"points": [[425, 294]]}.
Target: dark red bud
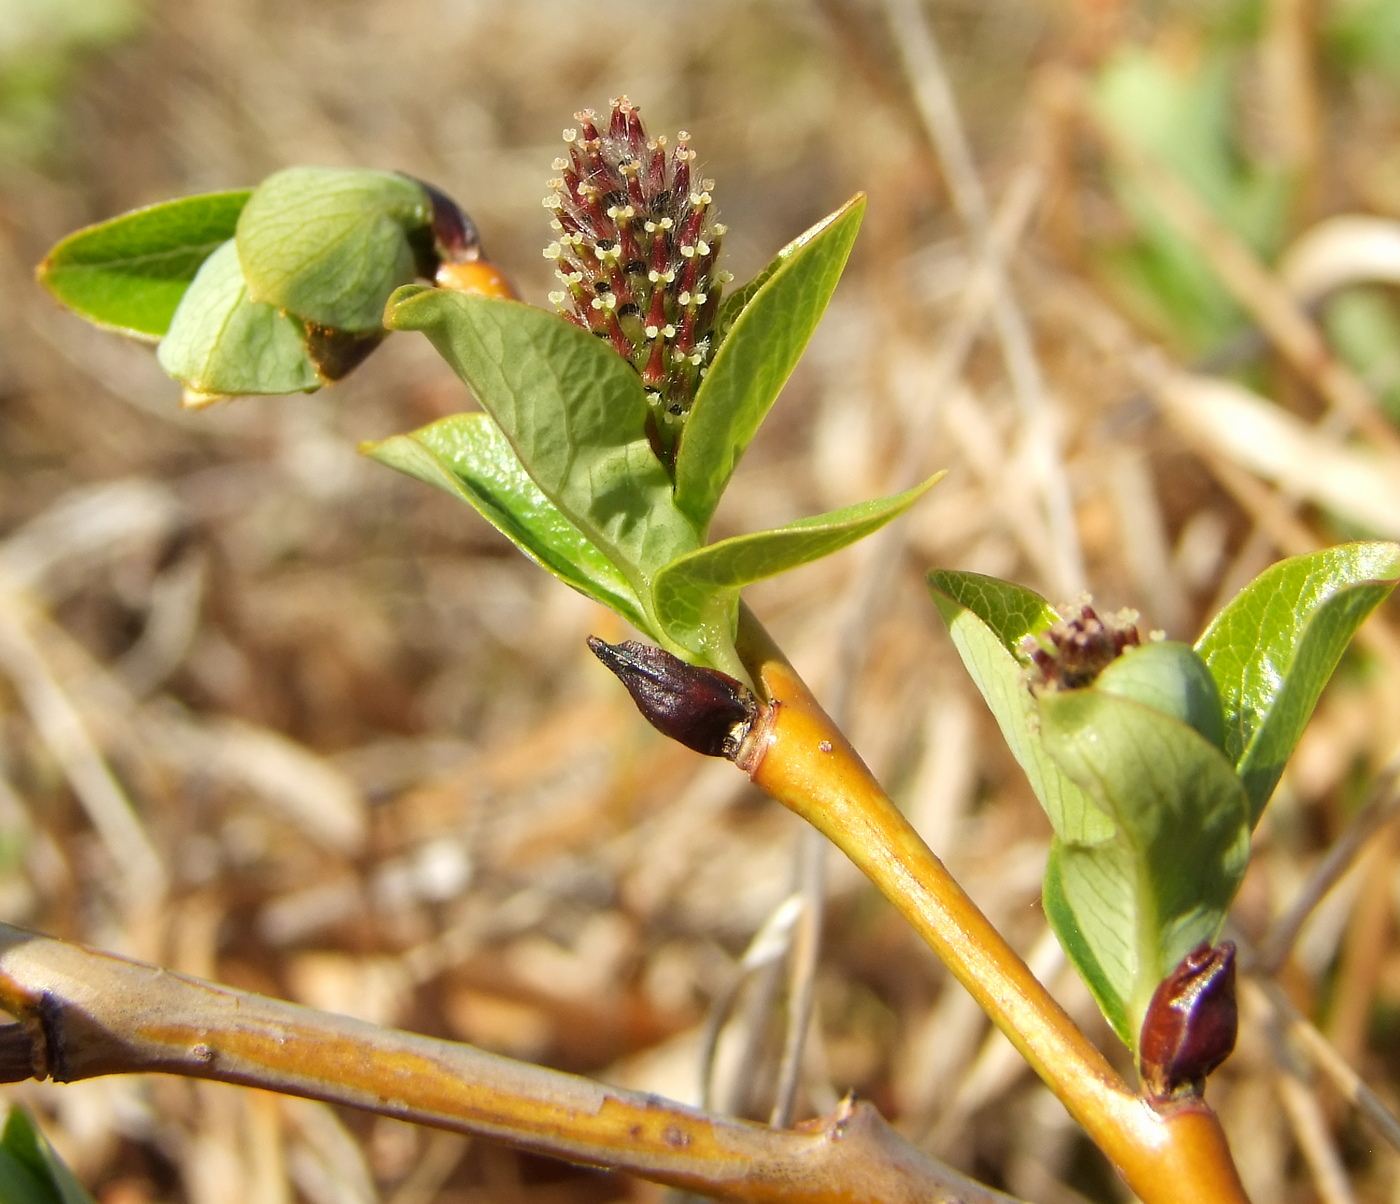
{"points": [[704, 709], [455, 237], [1191, 1023]]}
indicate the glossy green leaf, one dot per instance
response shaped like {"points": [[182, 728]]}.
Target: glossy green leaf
{"points": [[467, 456], [987, 619], [756, 357], [1272, 649], [697, 595], [330, 244], [129, 273], [1142, 900], [575, 414], [30, 1171], [221, 342], [1009, 611], [737, 301]]}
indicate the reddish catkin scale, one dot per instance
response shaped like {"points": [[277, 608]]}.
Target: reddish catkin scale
{"points": [[1191, 1023]]}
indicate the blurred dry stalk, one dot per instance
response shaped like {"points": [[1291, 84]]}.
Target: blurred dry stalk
{"points": [[366, 745]]}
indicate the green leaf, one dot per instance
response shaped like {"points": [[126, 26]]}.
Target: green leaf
{"points": [[129, 273], [1089, 875], [467, 456], [756, 358], [697, 595], [575, 413], [30, 1171], [737, 301], [1272, 649], [1142, 900], [1170, 677], [1011, 612], [987, 619], [221, 342], [330, 244], [20, 1185]]}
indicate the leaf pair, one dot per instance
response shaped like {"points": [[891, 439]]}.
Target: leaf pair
{"points": [[277, 290], [1151, 818], [562, 462]]}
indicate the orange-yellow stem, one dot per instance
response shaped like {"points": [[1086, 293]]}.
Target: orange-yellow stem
{"points": [[1168, 1155]]}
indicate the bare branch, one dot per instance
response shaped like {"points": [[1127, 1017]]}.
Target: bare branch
{"points": [[85, 1014]]}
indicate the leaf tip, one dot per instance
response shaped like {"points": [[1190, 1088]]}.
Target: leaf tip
{"points": [[398, 300]]}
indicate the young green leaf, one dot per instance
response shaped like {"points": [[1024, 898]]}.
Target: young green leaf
{"points": [[987, 619], [30, 1171], [1170, 677], [1009, 611], [220, 342], [129, 273], [1272, 649], [756, 358], [1163, 884], [697, 595], [575, 414], [330, 244], [467, 456], [738, 300], [20, 1185], [1082, 873]]}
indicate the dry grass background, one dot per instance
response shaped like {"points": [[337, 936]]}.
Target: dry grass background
{"points": [[271, 714]]}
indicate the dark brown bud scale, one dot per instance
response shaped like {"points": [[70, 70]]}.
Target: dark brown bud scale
{"points": [[1191, 1023], [633, 235], [704, 709], [455, 236], [448, 251]]}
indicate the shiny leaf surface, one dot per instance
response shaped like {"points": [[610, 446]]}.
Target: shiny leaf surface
{"points": [[130, 272]]}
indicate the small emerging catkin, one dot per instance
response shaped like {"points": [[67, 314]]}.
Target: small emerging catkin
{"points": [[635, 251]]}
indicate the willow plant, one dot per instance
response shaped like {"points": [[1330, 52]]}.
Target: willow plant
{"points": [[608, 432]]}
